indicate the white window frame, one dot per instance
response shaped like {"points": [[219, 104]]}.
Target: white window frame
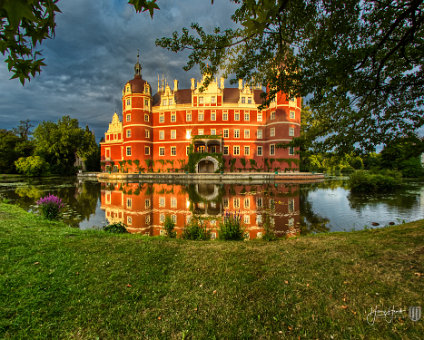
{"points": [[246, 148], [246, 133], [260, 150], [188, 117], [128, 133], [236, 147], [291, 131], [272, 132], [173, 117], [161, 118], [161, 134], [173, 150], [161, 151], [226, 133], [173, 134], [128, 151], [200, 116], [292, 114], [236, 133], [272, 149]]}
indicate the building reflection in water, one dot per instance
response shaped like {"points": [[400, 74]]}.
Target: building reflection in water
{"points": [[143, 206]]}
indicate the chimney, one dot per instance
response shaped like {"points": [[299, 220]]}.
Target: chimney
{"points": [[192, 83], [175, 85], [222, 83], [240, 84]]}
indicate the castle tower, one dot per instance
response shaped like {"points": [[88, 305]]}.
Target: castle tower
{"points": [[137, 121]]}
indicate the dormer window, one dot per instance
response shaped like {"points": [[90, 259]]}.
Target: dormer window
{"points": [[249, 100], [128, 88], [170, 101], [128, 102], [146, 89], [164, 102], [200, 100], [243, 100]]}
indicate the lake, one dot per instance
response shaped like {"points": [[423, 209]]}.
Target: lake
{"points": [[287, 209]]}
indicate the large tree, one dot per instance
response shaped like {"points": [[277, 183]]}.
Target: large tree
{"points": [[59, 144], [359, 62]]}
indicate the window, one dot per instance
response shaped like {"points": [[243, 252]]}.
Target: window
{"points": [[246, 133], [291, 205], [237, 115], [200, 132], [258, 219], [213, 132], [200, 116], [200, 100], [128, 102], [164, 101], [259, 117], [174, 218], [161, 118], [291, 131], [246, 116], [173, 202], [147, 203], [128, 150], [129, 220], [188, 116], [259, 134], [292, 115], [236, 150], [147, 150], [161, 220], [259, 151], [247, 150], [225, 115], [173, 134], [146, 102], [259, 202], [213, 116], [128, 117], [236, 202], [161, 134], [225, 150], [170, 101], [173, 117], [188, 133], [243, 100], [291, 151], [236, 133], [226, 133], [128, 133], [213, 99], [187, 150], [161, 151], [249, 100], [247, 203], [272, 132], [129, 202], [225, 203], [273, 115], [272, 149], [147, 219], [146, 118], [147, 133], [173, 150], [128, 89], [246, 219], [146, 89]]}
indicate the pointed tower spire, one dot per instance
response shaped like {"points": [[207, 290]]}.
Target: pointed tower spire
{"points": [[137, 66]]}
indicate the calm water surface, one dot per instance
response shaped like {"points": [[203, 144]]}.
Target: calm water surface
{"points": [[289, 209]]}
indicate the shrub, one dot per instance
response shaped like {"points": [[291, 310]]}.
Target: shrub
{"points": [[196, 230], [32, 166], [364, 181], [50, 206], [169, 227], [116, 228], [231, 227]]}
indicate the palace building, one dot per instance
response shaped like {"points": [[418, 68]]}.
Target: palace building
{"points": [[200, 130]]}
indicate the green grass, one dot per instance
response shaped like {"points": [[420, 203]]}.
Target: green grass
{"points": [[59, 282]]}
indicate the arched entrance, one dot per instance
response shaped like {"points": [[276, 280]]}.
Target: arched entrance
{"points": [[207, 165]]}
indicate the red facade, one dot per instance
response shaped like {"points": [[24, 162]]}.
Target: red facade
{"points": [[156, 131]]}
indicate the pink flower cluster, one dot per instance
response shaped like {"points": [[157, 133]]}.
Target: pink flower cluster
{"points": [[50, 199]]}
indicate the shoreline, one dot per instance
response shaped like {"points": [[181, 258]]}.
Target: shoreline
{"points": [[256, 177]]}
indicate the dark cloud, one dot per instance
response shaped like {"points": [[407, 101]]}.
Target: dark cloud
{"points": [[93, 55]]}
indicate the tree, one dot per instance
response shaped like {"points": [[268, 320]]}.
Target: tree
{"points": [[32, 166], [59, 144], [360, 62], [26, 23]]}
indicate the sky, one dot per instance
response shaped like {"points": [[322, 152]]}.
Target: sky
{"points": [[93, 54]]}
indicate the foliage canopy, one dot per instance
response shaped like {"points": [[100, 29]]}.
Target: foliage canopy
{"points": [[360, 62]]}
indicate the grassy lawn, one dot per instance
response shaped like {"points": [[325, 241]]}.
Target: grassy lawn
{"points": [[59, 282]]}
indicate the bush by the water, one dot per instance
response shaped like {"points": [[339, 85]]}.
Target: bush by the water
{"points": [[365, 181], [196, 230], [116, 228], [231, 227], [50, 206]]}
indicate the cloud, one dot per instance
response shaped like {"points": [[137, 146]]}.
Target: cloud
{"points": [[93, 55]]}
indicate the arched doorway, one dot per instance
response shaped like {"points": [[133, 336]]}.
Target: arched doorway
{"points": [[207, 165]]}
